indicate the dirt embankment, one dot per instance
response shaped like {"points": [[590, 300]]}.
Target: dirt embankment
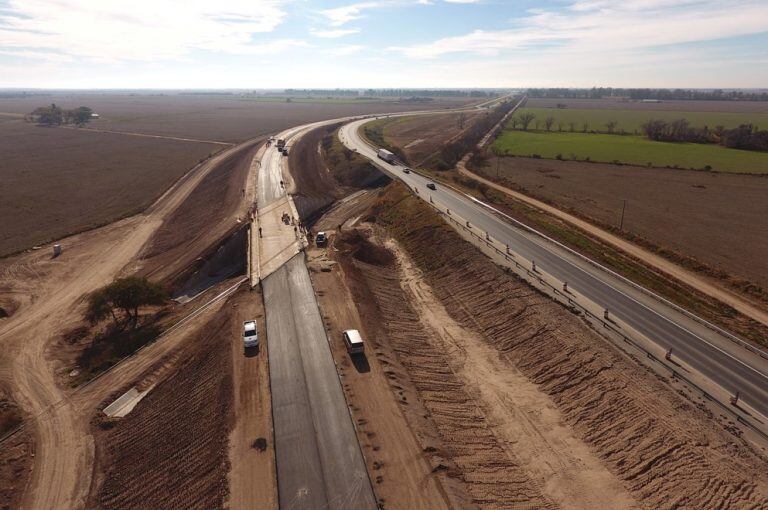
{"points": [[324, 170], [473, 455], [664, 450], [15, 465], [171, 451], [205, 218]]}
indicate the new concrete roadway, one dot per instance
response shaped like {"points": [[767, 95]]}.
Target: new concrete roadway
{"points": [[722, 361], [318, 457]]}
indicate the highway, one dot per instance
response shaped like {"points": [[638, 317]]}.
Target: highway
{"points": [[728, 365], [318, 457]]}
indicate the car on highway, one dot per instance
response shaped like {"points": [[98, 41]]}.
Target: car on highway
{"points": [[321, 239], [250, 334], [431, 185], [406, 170], [353, 341]]}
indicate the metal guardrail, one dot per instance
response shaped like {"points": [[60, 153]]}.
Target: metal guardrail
{"points": [[510, 257], [717, 329]]}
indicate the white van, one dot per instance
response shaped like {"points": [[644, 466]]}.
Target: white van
{"points": [[250, 334], [353, 341]]}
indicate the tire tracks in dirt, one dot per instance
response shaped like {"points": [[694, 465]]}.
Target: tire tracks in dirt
{"points": [[64, 447]]}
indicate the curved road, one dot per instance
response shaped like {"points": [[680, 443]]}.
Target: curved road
{"points": [[728, 365]]}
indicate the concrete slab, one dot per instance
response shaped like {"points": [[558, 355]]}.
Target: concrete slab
{"points": [[125, 403], [280, 237]]}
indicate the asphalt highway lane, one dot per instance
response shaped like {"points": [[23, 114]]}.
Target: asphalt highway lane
{"points": [[731, 367]]}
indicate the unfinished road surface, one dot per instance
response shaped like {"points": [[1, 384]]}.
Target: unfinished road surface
{"points": [[319, 462], [725, 363]]}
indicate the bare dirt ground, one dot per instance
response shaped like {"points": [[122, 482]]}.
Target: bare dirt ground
{"points": [[252, 482], [15, 469], [171, 450], [47, 297], [62, 181], [683, 106], [400, 471], [658, 447], [221, 118], [423, 136], [715, 218]]}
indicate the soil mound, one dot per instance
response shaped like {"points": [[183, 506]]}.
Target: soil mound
{"points": [[364, 250]]}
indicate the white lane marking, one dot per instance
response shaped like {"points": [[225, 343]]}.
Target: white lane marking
{"points": [[493, 219]]}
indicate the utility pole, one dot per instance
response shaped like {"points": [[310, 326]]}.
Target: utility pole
{"points": [[498, 162], [623, 208]]}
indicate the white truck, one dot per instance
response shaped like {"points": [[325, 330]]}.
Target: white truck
{"points": [[250, 335], [387, 156]]}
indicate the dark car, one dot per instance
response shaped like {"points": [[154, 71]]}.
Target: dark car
{"points": [[431, 185]]}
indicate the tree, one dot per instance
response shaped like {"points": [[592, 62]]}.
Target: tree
{"points": [[654, 129], [122, 299], [548, 122], [49, 115], [572, 126], [514, 121], [462, 118], [525, 119], [611, 126], [81, 116], [584, 127]]}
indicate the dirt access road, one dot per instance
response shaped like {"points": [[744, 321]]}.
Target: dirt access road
{"points": [[692, 279], [48, 293]]}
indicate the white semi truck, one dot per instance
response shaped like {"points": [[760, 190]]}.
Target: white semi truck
{"points": [[387, 156]]}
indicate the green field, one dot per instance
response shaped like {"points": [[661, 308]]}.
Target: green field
{"points": [[631, 120], [630, 149]]}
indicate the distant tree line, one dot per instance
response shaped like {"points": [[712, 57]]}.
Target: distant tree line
{"points": [[393, 92], [451, 153], [746, 136], [655, 94], [54, 115]]}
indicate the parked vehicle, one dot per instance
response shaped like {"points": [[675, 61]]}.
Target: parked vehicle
{"points": [[250, 334], [387, 156], [321, 239], [353, 341], [431, 185], [280, 143]]}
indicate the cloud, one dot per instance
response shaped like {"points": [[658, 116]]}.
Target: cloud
{"points": [[339, 16], [604, 26], [349, 49], [332, 34], [144, 30]]}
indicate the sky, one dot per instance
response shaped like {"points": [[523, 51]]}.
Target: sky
{"points": [[383, 43]]}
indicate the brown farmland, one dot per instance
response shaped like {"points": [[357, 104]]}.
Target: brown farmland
{"points": [[422, 136], [226, 118], [60, 181], [718, 219]]}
